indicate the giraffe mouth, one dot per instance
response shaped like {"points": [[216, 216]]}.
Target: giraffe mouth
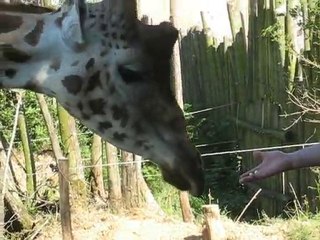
{"points": [[186, 176]]}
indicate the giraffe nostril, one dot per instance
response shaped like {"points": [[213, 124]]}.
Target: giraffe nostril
{"points": [[187, 175], [176, 179]]}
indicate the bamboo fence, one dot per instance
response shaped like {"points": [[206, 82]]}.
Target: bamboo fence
{"points": [[253, 75]]}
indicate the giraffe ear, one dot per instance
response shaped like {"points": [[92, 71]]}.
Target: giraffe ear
{"points": [[159, 40], [74, 13], [127, 7]]}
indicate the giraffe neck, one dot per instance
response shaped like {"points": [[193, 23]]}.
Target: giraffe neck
{"points": [[33, 51], [22, 44]]}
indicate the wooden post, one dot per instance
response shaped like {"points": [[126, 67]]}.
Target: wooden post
{"points": [[2, 210], [213, 227], [97, 173], [64, 199], [114, 177], [178, 89]]}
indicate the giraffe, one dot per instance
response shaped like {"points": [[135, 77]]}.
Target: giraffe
{"points": [[110, 71]]}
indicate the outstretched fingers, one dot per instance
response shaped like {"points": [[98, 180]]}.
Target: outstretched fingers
{"points": [[254, 173]]}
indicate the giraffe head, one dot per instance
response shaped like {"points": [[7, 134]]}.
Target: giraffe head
{"points": [[113, 73]]}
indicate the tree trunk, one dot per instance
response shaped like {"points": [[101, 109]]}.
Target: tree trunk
{"points": [[96, 162], [2, 210], [65, 212], [113, 177], [177, 83], [29, 160], [144, 190], [11, 197], [72, 151], [50, 126], [130, 184], [175, 62], [186, 209]]}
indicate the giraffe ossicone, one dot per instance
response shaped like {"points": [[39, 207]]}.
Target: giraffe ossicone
{"points": [[110, 71]]}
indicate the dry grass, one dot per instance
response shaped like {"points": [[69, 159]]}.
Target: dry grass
{"points": [[136, 224], [145, 225]]}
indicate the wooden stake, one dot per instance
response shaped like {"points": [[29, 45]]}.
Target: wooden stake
{"points": [[64, 199], [213, 227]]}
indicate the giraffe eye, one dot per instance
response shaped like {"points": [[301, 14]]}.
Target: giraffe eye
{"points": [[130, 76]]}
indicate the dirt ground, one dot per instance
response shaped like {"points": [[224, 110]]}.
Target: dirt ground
{"points": [[142, 225]]}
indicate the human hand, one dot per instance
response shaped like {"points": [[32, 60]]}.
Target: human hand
{"points": [[272, 163]]}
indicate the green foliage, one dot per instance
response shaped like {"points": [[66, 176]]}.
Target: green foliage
{"points": [[85, 139], [166, 195], [36, 125], [305, 228], [193, 124], [37, 129], [7, 106], [312, 22], [197, 203], [273, 32], [222, 175]]}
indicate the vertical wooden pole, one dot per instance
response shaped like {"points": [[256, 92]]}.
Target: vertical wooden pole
{"points": [[97, 173], [177, 83], [2, 210], [114, 178], [64, 199], [213, 227], [29, 160]]}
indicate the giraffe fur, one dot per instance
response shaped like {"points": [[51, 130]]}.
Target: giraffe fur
{"points": [[110, 71]]}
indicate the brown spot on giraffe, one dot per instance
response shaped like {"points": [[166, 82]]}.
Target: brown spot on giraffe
{"points": [[97, 106], [120, 114], [104, 52], [90, 64], [33, 37], [10, 73], [140, 143], [138, 128], [59, 20], [105, 125], [80, 106], [114, 35], [55, 64], [75, 63], [73, 83], [107, 77], [94, 81], [103, 27], [12, 54], [9, 23], [122, 37], [85, 116], [119, 136], [32, 85], [112, 89], [103, 42]]}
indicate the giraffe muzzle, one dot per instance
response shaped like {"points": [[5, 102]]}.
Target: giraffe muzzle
{"points": [[187, 175]]}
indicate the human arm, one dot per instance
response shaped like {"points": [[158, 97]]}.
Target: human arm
{"points": [[275, 162]]}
